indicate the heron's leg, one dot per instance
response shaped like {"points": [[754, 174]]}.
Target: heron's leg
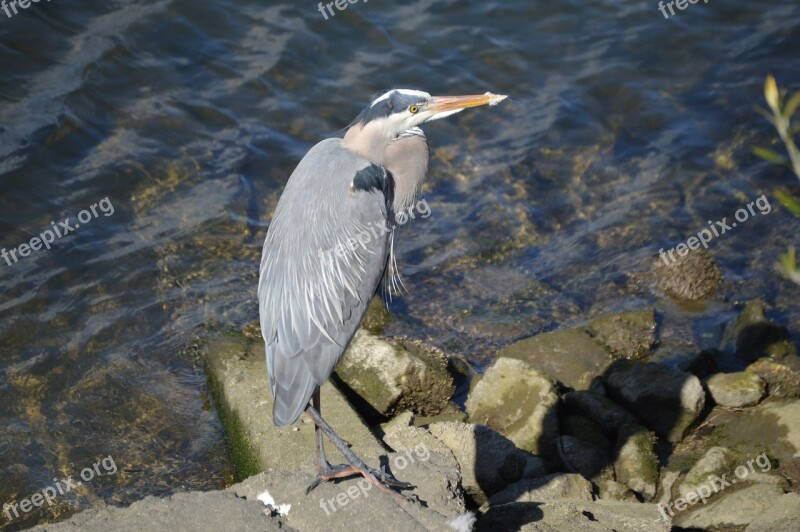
{"points": [[320, 460], [357, 466]]}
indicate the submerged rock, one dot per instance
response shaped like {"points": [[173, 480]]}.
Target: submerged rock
{"points": [[571, 356], [629, 335], [519, 402], [637, 464], [736, 390], [489, 462], [667, 399], [391, 378], [693, 277]]}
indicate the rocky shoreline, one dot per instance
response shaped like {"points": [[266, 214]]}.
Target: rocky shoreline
{"points": [[568, 430]]}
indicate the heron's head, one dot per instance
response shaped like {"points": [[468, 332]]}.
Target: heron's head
{"points": [[401, 111]]}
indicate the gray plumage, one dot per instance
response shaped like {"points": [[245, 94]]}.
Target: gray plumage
{"points": [[314, 289], [330, 242]]}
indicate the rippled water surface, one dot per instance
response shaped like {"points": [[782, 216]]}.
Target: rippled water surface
{"points": [[625, 133]]}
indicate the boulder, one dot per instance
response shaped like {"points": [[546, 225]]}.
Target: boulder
{"points": [[737, 508], [519, 402], [782, 377], [236, 370], [667, 399], [583, 457], [716, 462], [392, 376], [608, 415], [628, 335], [636, 465], [488, 461], [783, 514], [571, 356], [736, 390]]}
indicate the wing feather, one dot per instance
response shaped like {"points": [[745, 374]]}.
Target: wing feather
{"points": [[314, 287]]}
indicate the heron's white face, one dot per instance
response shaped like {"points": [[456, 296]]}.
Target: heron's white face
{"points": [[420, 107]]}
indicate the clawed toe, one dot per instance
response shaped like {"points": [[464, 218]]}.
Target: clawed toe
{"points": [[381, 479]]}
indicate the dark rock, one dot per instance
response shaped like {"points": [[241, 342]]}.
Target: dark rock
{"points": [[583, 457], [667, 399], [757, 337], [605, 412], [489, 462]]}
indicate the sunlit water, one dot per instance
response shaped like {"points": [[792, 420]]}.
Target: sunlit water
{"points": [[625, 133]]}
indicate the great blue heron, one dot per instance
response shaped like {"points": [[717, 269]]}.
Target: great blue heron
{"points": [[311, 299]]}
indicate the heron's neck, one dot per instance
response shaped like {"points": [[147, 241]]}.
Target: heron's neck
{"points": [[405, 157]]}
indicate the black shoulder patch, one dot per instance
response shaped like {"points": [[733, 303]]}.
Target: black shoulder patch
{"points": [[374, 177]]}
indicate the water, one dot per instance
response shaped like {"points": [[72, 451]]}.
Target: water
{"points": [[625, 133]]}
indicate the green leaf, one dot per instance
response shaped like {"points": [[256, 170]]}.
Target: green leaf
{"points": [[788, 266], [769, 155], [792, 105], [789, 201]]}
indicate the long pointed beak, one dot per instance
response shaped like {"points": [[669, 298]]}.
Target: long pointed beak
{"points": [[443, 106]]}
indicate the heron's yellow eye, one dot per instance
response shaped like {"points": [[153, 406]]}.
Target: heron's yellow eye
{"points": [[413, 109]]}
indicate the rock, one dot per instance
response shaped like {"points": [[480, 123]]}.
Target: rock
{"points": [[757, 337], [693, 277], [585, 429], [213, 510], [783, 514], [771, 427], [377, 316], [782, 377], [519, 402], [443, 487], [488, 461], [354, 503], [236, 370], [569, 355], [736, 390], [667, 399], [551, 487], [606, 413], [582, 457], [629, 335], [737, 508], [636, 465], [611, 490], [716, 462], [391, 377], [568, 515]]}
